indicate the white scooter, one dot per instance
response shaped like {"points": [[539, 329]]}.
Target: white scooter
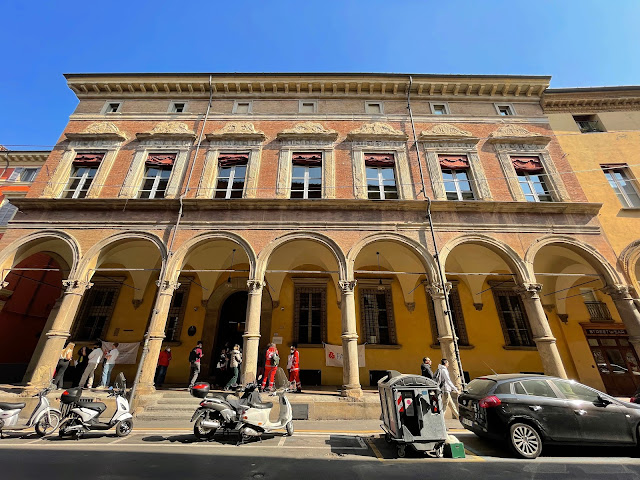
{"points": [[83, 415], [44, 418]]}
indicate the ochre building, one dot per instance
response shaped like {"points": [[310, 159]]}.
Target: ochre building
{"points": [[250, 208]]}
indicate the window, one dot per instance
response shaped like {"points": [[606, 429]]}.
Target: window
{"points": [[439, 108], [156, 176], [176, 312], [7, 211], [242, 107], [374, 108], [22, 174], [588, 123], [376, 310], [306, 175], [575, 391], [96, 311], [231, 175], [456, 315], [308, 106], [531, 177], [381, 179], [310, 316], [513, 318], [177, 107], [621, 183], [537, 388], [79, 182], [504, 109], [112, 107], [455, 175]]}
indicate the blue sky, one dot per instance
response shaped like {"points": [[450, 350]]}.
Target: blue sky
{"points": [[579, 43]]}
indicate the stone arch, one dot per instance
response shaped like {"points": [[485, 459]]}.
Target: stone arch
{"points": [[628, 260]]}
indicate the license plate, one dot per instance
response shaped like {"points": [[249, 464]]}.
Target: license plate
{"points": [[466, 422]]}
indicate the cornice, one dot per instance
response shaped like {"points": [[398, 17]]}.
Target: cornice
{"points": [[591, 100], [237, 131], [17, 157]]}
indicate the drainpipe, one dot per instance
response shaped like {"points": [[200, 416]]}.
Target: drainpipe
{"points": [[436, 255]]}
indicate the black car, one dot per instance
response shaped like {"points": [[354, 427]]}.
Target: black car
{"points": [[531, 410]]}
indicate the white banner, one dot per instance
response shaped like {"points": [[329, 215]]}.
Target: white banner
{"points": [[128, 352], [333, 355]]}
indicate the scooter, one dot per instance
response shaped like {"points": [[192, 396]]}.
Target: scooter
{"points": [[255, 419], [44, 418], [82, 415]]}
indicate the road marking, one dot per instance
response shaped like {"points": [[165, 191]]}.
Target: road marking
{"points": [[376, 452], [281, 442], [119, 440], [33, 441]]}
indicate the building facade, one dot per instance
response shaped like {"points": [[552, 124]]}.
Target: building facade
{"points": [[251, 208]]}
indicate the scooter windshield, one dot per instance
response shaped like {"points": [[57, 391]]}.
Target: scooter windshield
{"points": [[120, 383], [281, 379]]}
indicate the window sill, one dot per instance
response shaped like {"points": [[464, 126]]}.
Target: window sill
{"points": [[630, 209], [378, 346], [514, 347], [436, 346]]}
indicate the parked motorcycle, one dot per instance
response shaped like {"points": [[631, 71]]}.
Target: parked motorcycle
{"points": [[83, 415], [44, 418]]}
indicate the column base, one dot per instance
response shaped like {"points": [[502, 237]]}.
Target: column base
{"points": [[351, 391], [145, 390]]}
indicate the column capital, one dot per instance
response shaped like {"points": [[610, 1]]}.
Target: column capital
{"points": [[436, 291], [255, 286], [529, 290], [347, 286], [618, 292], [166, 287], [76, 287]]}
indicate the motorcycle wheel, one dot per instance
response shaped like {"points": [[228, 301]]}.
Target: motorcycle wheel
{"points": [[44, 427], [68, 423], [124, 427], [202, 433], [290, 428]]}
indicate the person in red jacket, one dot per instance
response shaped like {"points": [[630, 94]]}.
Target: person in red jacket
{"points": [[293, 364], [272, 360], [163, 364]]}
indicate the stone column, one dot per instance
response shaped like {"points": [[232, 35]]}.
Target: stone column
{"points": [[542, 335], [350, 371], [58, 327], [445, 332], [251, 335], [155, 335], [628, 312]]}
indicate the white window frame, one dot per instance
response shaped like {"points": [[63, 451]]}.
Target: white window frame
{"points": [[433, 105], [498, 106], [368, 104], [302, 102], [305, 193], [107, 106], [456, 183], [232, 176], [154, 188], [381, 183], [80, 187], [172, 106], [35, 171], [533, 190], [631, 181], [237, 102]]}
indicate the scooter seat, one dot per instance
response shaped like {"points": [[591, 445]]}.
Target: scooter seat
{"points": [[98, 406], [11, 406], [264, 405]]}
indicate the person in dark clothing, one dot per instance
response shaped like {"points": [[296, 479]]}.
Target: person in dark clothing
{"points": [[81, 364], [426, 368]]}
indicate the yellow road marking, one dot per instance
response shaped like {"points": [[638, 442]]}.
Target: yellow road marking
{"points": [[376, 452]]}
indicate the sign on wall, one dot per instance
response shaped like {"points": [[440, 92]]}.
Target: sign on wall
{"points": [[333, 355]]}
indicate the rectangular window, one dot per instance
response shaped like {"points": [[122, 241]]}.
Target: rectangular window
{"points": [[177, 107], [96, 311], [621, 183], [381, 179], [504, 109], [374, 108], [156, 176], [242, 107], [85, 168], [306, 175], [376, 309], [28, 174], [7, 211], [532, 179], [177, 310], [439, 108], [310, 316], [456, 315], [112, 107], [232, 170], [513, 318], [308, 106], [456, 177], [588, 123]]}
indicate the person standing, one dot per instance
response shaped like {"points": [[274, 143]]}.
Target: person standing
{"points": [[447, 386], [293, 365], [235, 359], [63, 364], [81, 364], [272, 359], [93, 360], [194, 360], [425, 367], [110, 357], [163, 364]]}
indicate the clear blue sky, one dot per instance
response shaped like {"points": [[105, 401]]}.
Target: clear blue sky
{"points": [[579, 43]]}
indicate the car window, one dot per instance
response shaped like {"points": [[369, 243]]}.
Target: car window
{"points": [[576, 391], [519, 389], [538, 388], [504, 388], [480, 386]]}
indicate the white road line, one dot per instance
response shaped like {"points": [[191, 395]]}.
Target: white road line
{"points": [[118, 440], [281, 442]]}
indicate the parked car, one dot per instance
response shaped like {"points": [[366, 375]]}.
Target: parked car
{"points": [[530, 411]]}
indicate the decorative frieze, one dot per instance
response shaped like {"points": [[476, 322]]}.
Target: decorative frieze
{"points": [[173, 130], [376, 131], [244, 131], [517, 134], [308, 130], [98, 131]]}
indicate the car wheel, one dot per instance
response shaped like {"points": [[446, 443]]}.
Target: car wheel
{"points": [[525, 440]]}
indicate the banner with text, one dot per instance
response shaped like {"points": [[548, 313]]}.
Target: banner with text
{"points": [[333, 355], [128, 352]]}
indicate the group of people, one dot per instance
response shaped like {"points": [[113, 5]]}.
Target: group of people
{"points": [[84, 367], [272, 361], [443, 379]]}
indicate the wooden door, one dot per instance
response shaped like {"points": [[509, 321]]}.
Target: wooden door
{"points": [[617, 363]]}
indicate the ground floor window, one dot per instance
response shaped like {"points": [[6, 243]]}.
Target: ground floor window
{"points": [[177, 310], [376, 309], [96, 311], [310, 314], [513, 318], [456, 315]]}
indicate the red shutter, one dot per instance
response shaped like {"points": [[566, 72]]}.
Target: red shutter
{"points": [[454, 162], [379, 159], [161, 159], [231, 159], [613, 166], [307, 159], [88, 159], [527, 164]]}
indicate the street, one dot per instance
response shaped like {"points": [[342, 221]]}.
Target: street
{"points": [[312, 453]]}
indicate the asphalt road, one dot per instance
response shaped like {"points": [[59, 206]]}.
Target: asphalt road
{"points": [[308, 455]]}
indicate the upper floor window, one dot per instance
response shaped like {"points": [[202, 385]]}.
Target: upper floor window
{"points": [[439, 108], [112, 107], [621, 183], [374, 108], [456, 177], [242, 106], [85, 168], [381, 179], [232, 170], [531, 177], [504, 109], [308, 106], [23, 174], [376, 309], [156, 175], [7, 212], [177, 107], [588, 123], [513, 317], [306, 175]]}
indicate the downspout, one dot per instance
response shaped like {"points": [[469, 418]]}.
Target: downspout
{"points": [[161, 277], [436, 255]]}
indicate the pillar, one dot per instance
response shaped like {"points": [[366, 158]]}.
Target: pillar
{"points": [[350, 371], [628, 312], [155, 335], [251, 335], [58, 327], [542, 335], [445, 331]]}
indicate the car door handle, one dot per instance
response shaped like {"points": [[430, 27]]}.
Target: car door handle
{"points": [[535, 408], [580, 412]]}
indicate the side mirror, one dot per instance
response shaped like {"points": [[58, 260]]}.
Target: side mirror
{"points": [[603, 402]]}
